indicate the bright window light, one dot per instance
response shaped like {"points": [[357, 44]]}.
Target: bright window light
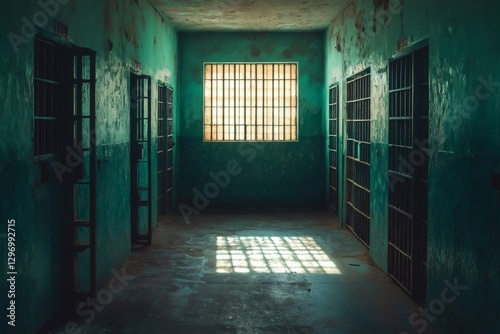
{"points": [[299, 255], [250, 102]]}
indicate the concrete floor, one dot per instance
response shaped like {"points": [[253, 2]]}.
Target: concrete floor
{"points": [[254, 272]]}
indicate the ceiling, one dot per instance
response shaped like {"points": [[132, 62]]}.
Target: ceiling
{"points": [[250, 15]]}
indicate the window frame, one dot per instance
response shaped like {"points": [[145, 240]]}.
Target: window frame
{"points": [[60, 82], [252, 140]]}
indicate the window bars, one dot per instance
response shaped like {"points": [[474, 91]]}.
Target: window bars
{"points": [[250, 102]]}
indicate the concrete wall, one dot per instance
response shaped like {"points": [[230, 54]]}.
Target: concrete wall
{"points": [[121, 32], [273, 173], [464, 208]]}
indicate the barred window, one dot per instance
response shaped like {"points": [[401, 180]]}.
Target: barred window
{"points": [[250, 102]]}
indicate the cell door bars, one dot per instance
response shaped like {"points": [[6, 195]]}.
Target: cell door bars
{"points": [[161, 154], [165, 150], [408, 166], [170, 148], [53, 66], [140, 162], [84, 189], [65, 80], [333, 107], [358, 156]]}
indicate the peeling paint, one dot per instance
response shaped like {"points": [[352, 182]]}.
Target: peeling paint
{"points": [[100, 26], [360, 27], [462, 202]]}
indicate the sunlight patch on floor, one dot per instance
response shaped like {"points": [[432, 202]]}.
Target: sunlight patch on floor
{"points": [[299, 255]]}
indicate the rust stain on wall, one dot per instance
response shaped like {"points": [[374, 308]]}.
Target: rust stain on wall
{"points": [[339, 21], [339, 43], [131, 33], [377, 4]]}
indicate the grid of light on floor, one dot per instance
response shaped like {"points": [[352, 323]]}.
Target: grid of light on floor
{"points": [[250, 102], [236, 254]]}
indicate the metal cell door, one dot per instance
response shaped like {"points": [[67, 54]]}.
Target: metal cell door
{"points": [[65, 160], [333, 130], [170, 148], [51, 111], [161, 153], [165, 150], [357, 182], [83, 188], [408, 171], [140, 158]]}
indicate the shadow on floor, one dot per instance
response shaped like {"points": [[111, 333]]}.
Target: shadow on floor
{"points": [[253, 271]]}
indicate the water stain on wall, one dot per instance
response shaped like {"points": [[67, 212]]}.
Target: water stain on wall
{"points": [[109, 45], [255, 51], [360, 27], [110, 8], [299, 49], [196, 74], [339, 43], [377, 5]]}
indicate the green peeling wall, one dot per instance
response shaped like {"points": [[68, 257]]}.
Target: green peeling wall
{"points": [[464, 208], [122, 32], [272, 173]]}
